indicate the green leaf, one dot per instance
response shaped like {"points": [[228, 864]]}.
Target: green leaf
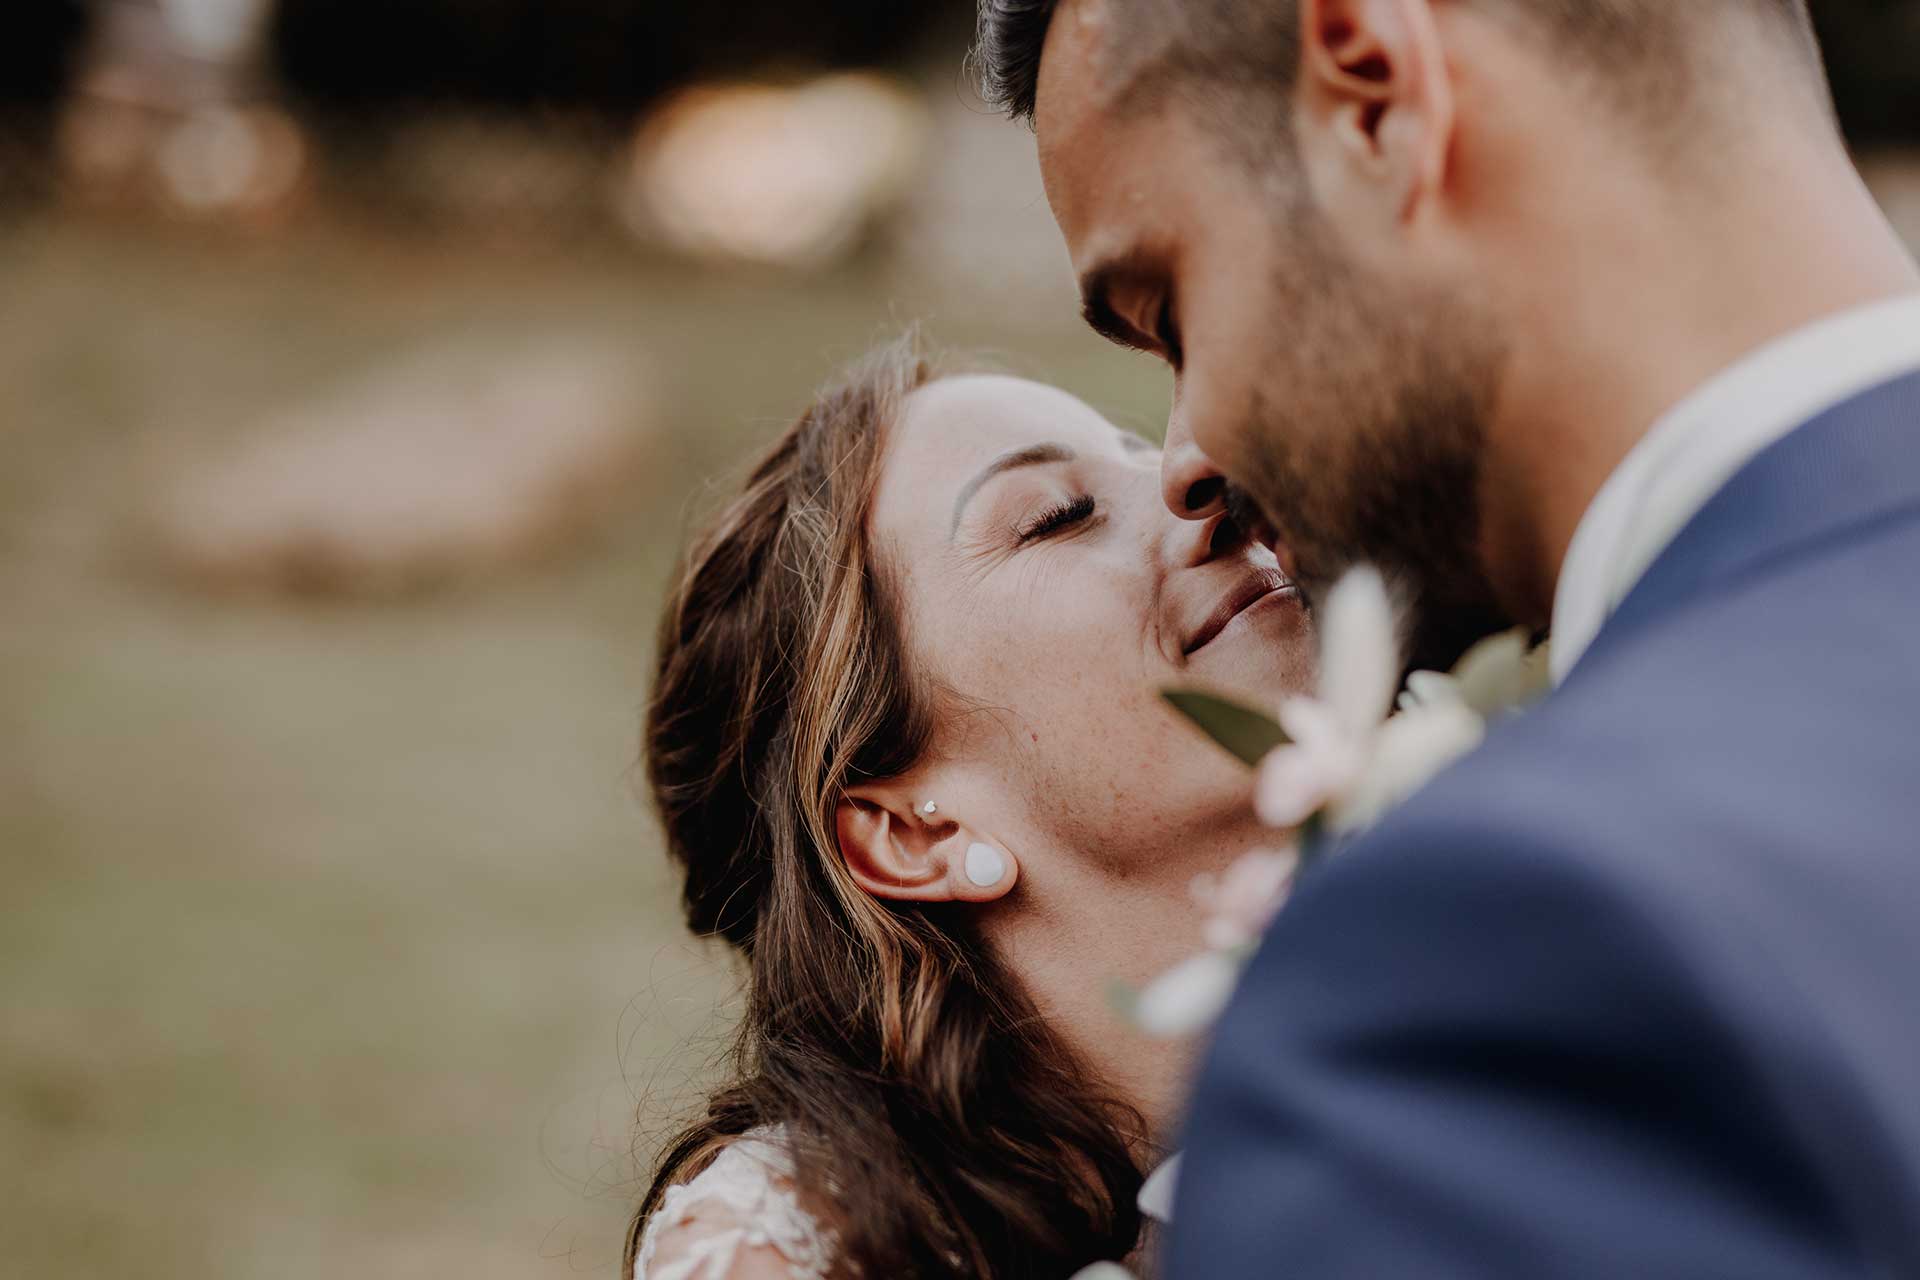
{"points": [[1246, 734]]}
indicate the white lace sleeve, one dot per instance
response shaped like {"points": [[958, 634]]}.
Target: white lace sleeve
{"points": [[740, 1219]]}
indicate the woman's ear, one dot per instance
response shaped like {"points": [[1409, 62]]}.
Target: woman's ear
{"points": [[1375, 84], [897, 851]]}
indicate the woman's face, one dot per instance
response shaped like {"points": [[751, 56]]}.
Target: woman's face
{"points": [[1048, 589]]}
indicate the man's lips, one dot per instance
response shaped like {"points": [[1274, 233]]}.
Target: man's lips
{"points": [[1245, 512], [1248, 592]]}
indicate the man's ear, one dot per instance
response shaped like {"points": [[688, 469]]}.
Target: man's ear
{"points": [[1374, 84], [897, 852]]}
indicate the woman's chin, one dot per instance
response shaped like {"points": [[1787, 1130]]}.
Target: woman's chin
{"points": [[1264, 653]]}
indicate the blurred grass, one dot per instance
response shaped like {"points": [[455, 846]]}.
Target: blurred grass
{"points": [[336, 939]]}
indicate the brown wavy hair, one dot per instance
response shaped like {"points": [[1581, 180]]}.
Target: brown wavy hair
{"points": [[939, 1126]]}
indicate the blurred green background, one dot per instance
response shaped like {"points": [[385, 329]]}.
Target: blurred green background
{"points": [[336, 937]]}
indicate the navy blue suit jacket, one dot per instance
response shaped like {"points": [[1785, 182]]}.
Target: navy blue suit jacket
{"points": [[1634, 991]]}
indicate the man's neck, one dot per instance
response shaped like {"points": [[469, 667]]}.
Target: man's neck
{"points": [[1656, 293]]}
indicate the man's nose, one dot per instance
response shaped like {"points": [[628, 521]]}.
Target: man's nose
{"points": [[1191, 543], [1191, 486]]}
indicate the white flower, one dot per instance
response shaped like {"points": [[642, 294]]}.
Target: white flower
{"points": [[1332, 732], [1499, 674], [1321, 762], [1188, 997], [1405, 755], [1103, 1271], [1359, 651], [1156, 1193], [1428, 688], [1350, 762], [1241, 901]]}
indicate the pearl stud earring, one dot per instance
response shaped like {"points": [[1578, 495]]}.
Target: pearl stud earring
{"points": [[986, 865], [929, 809]]}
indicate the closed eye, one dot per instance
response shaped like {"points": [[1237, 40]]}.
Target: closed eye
{"points": [[1055, 518], [1166, 332]]}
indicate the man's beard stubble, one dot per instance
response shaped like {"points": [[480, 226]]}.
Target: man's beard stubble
{"points": [[1394, 390]]}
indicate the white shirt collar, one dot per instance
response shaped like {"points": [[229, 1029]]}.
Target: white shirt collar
{"points": [[1698, 446]]}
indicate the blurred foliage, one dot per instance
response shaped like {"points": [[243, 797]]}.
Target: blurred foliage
{"points": [[37, 56], [608, 55], [37, 52], [1873, 57], [617, 55]]}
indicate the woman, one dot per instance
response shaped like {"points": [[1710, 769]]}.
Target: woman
{"points": [[909, 751]]}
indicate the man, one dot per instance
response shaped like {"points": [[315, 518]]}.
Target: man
{"points": [[1574, 310]]}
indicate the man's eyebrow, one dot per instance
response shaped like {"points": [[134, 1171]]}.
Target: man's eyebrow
{"points": [[1031, 456]]}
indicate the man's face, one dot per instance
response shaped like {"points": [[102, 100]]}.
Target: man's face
{"points": [[1347, 399]]}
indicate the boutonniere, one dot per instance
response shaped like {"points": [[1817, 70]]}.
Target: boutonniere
{"points": [[1326, 766]]}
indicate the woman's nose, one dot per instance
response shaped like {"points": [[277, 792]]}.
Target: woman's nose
{"points": [[1191, 486]]}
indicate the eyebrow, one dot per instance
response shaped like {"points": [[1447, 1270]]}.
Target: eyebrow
{"points": [[1031, 456]]}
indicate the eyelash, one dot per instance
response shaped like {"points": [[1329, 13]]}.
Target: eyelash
{"points": [[1056, 518], [1166, 333]]}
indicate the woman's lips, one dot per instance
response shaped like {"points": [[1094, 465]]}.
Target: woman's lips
{"points": [[1250, 591]]}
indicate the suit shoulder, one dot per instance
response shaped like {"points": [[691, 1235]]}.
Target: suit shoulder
{"points": [[1534, 866]]}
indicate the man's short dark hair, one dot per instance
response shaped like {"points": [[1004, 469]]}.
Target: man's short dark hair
{"points": [[1006, 52], [1257, 41], [1213, 42]]}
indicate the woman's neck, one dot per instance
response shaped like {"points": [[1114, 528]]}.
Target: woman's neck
{"points": [[1078, 930]]}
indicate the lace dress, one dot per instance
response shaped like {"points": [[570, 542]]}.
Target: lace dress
{"points": [[740, 1219]]}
